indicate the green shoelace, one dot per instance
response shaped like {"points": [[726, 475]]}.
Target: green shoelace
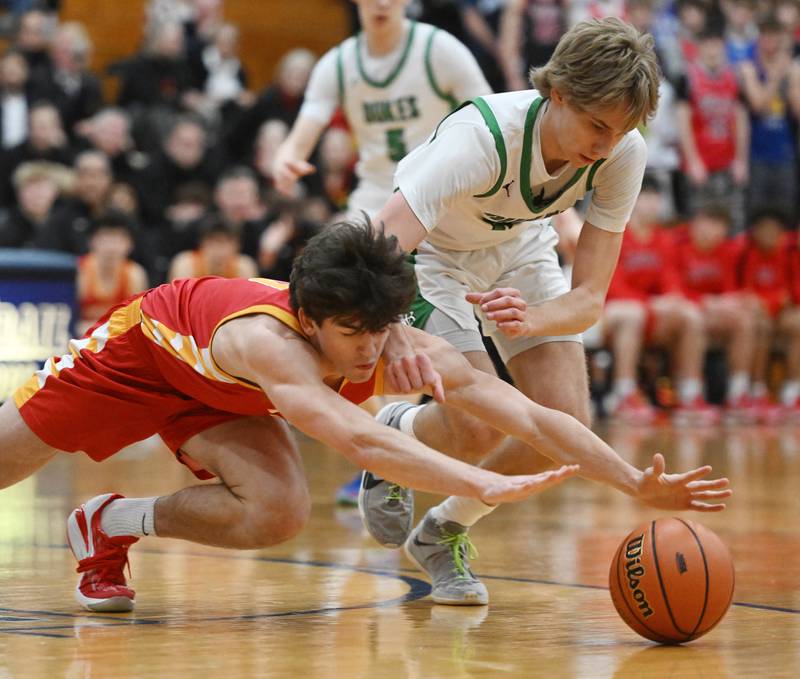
{"points": [[394, 492], [460, 546]]}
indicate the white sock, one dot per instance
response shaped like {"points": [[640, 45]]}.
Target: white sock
{"points": [[624, 386], [738, 385], [790, 392], [463, 510], [407, 420], [135, 516], [759, 390], [689, 389]]}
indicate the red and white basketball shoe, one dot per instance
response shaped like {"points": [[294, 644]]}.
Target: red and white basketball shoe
{"points": [[101, 559]]}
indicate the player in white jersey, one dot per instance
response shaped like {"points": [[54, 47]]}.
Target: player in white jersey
{"points": [[394, 81], [475, 203]]}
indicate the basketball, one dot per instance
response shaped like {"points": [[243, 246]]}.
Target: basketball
{"points": [[671, 580]]}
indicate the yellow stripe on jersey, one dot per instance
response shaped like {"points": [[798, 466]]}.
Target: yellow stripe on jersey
{"points": [[122, 320]]}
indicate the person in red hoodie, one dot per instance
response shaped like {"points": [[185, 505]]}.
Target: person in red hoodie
{"points": [[645, 306], [706, 261], [764, 272], [789, 329]]}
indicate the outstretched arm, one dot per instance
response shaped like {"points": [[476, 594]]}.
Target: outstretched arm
{"points": [[565, 440], [288, 370]]}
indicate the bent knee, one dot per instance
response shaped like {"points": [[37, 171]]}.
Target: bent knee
{"points": [[271, 523]]}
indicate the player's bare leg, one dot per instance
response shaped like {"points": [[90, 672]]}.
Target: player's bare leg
{"points": [[21, 451], [262, 498]]}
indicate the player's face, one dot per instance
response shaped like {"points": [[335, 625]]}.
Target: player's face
{"points": [[377, 15], [585, 136], [352, 352]]}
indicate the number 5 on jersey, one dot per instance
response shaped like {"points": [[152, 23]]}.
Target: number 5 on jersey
{"points": [[396, 144]]}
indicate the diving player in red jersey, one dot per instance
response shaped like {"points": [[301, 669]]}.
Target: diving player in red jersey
{"points": [[217, 368]]}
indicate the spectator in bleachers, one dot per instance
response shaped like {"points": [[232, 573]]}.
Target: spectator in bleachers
{"points": [[46, 140], [741, 31], [676, 30], [32, 39], [109, 131], [529, 32], [106, 274], [764, 273], [69, 84], [219, 76], [706, 261], [790, 328], [185, 156], [581, 10], [336, 168], [713, 130], [155, 81], [189, 204], [238, 200], [773, 144], [14, 99], [218, 254], [38, 186], [661, 132], [281, 100], [645, 307], [482, 29], [787, 12], [70, 227]]}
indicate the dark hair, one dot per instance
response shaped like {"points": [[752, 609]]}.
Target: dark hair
{"points": [[113, 219], [772, 214], [717, 212], [212, 225], [354, 273]]}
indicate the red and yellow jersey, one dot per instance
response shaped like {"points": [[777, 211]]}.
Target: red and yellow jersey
{"points": [[180, 319]]}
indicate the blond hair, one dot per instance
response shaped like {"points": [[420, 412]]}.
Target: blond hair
{"points": [[600, 63]]}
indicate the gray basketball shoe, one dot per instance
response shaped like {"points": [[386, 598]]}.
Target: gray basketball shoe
{"points": [[386, 508], [443, 551]]}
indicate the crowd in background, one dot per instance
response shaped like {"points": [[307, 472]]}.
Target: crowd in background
{"points": [[172, 177]]}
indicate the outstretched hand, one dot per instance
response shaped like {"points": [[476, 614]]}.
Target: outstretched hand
{"points": [[682, 491], [516, 488], [504, 306]]}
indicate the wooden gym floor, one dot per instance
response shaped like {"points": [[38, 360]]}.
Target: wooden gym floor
{"points": [[331, 603]]}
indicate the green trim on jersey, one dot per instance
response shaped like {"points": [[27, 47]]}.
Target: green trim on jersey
{"points": [[592, 172], [538, 204], [421, 309], [340, 74], [499, 143], [397, 69], [449, 98]]}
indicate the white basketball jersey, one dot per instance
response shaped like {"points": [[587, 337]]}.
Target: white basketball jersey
{"points": [[392, 116], [523, 194]]}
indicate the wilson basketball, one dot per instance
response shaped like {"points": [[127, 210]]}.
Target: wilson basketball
{"points": [[671, 580]]}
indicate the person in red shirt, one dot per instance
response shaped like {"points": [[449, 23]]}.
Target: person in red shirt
{"points": [[764, 272], [789, 327], [713, 129], [217, 367], [645, 306], [106, 274], [706, 262]]}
